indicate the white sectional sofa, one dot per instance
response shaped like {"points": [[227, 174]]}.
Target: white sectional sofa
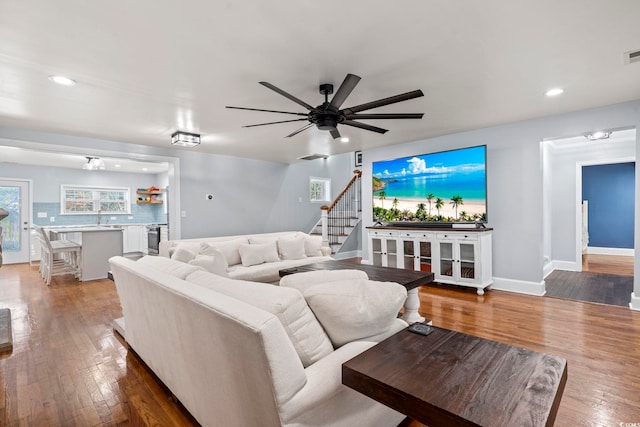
{"points": [[255, 257], [239, 353]]}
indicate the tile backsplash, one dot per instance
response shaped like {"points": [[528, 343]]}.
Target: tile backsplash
{"points": [[140, 214]]}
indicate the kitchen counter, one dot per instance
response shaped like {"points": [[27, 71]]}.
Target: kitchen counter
{"points": [[99, 243]]}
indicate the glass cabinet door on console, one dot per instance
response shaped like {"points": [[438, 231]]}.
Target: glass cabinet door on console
{"points": [[383, 247], [458, 258], [417, 251]]}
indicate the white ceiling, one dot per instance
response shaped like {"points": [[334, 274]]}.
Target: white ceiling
{"points": [[146, 68]]}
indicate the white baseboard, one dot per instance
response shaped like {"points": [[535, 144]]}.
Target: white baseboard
{"points": [[635, 302], [594, 250], [547, 269], [348, 254], [566, 265], [519, 286]]}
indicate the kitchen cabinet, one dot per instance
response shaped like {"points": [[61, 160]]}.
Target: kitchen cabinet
{"points": [[456, 256], [135, 238]]}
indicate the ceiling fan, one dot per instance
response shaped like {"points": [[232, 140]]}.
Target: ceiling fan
{"points": [[328, 115]]}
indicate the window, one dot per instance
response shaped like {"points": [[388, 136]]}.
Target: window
{"points": [[75, 199], [319, 189]]}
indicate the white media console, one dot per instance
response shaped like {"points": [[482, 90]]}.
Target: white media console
{"points": [[454, 255]]}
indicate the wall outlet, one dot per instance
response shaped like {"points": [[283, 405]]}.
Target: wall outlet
{"points": [[208, 196], [130, 217], [52, 219], [113, 218], [183, 214], [42, 214]]}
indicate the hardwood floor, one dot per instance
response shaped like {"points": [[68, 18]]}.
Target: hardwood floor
{"points": [[608, 264], [69, 368], [590, 287]]}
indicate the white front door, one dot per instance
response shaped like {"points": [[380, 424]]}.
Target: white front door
{"points": [[14, 198]]}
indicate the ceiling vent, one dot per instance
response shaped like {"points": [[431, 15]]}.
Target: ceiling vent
{"points": [[632, 56], [313, 157]]}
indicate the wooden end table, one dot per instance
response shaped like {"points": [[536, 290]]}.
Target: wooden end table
{"points": [[410, 279], [452, 379]]}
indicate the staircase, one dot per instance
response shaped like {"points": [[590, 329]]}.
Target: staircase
{"points": [[340, 218]]}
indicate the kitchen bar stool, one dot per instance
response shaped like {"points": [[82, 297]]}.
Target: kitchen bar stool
{"points": [[58, 257]]}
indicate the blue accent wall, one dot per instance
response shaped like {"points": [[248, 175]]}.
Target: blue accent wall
{"points": [[610, 190]]}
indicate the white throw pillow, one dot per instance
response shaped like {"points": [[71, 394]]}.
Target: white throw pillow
{"points": [[291, 248], [350, 310], [313, 245], [168, 266], [213, 264], [304, 331], [229, 249], [184, 253], [258, 254]]}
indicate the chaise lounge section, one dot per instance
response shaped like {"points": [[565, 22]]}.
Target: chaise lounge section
{"points": [[239, 353]]}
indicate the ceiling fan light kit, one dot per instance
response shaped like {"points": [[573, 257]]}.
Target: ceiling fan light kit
{"points": [[328, 115], [185, 139]]}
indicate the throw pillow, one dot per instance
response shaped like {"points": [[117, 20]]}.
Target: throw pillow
{"points": [[219, 258], [291, 248], [184, 253], [258, 254], [213, 264], [313, 245], [350, 310], [229, 249], [288, 305]]}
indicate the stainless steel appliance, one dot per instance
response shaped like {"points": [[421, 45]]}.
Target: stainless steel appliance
{"points": [[153, 239]]}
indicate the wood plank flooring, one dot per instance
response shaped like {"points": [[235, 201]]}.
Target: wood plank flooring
{"points": [[68, 367], [608, 264]]}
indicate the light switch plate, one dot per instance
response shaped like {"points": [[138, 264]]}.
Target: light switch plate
{"points": [[42, 214], [52, 219]]}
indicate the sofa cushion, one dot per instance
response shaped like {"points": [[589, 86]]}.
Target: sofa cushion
{"points": [[255, 254], [302, 281], [170, 267], [350, 310], [229, 248], [269, 271], [291, 248], [306, 334], [221, 266], [213, 264], [313, 245], [185, 252]]}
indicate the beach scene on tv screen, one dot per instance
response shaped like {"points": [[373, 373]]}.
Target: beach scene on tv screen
{"points": [[448, 186]]}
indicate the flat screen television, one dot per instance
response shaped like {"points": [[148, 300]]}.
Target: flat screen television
{"points": [[443, 187]]}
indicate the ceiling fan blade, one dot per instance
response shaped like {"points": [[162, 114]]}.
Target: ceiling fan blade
{"points": [[268, 111], [273, 123], [385, 101], [287, 95], [299, 130], [344, 90], [383, 116], [335, 133], [364, 126]]}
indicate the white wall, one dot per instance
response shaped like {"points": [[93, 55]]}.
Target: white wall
{"points": [[514, 183]]}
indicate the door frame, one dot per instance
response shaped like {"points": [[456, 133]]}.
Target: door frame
{"points": [[28, 206]]}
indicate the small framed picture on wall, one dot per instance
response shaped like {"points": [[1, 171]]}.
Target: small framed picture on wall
{"points": [[358, 158]]}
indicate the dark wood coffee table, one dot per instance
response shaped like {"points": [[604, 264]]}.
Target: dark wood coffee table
{"points": [[411, 280], [452, 379]]}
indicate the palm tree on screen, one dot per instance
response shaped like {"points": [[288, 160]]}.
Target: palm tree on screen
{"points": [[439, 204], [455, 202], [430, 198], [382, 196]]}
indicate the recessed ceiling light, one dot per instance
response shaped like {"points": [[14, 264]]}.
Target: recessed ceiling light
{"points": [[554, 92], [117, 166], [62, 80], [145, 169], [344, 139], [598, 135]]}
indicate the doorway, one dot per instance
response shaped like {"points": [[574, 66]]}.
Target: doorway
{"points": [[15, 198], [567, 274]]}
